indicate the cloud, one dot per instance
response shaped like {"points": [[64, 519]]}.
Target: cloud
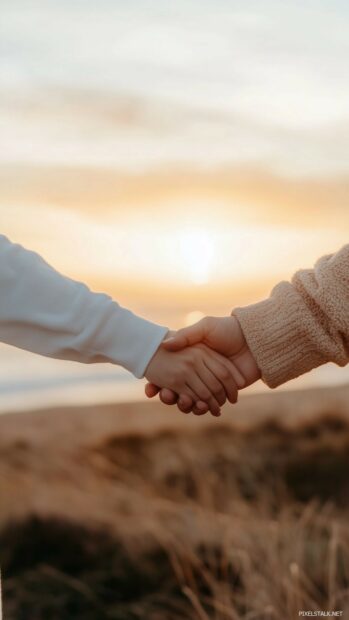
{"points": [[198, 84], [248, 194]]}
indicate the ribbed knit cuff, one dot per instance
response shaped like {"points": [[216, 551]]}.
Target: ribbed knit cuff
{"points": [[280, 336]]}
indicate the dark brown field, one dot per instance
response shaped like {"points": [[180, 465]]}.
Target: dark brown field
{"points": [[138, 512]]}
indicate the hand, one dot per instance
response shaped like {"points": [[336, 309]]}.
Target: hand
{"points": [[197, 373], [225, 336]]}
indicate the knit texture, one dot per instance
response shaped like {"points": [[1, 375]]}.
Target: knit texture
{"points": [[303, 324]]}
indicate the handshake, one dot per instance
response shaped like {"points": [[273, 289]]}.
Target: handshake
{"points": [[201, 366]]}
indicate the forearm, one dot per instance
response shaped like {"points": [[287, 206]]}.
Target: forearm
{"points": [[304, 323], [47, 313]]}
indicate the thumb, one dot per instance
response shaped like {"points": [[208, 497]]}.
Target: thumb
{"points": [[151, 390], [185, 337]]}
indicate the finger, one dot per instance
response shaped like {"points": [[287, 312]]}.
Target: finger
{"points": [[247, 366], [185, 403], [197, 406], [200, 408], [186, 337], [151, 390], [236, 373], [238, 377], [210, 378], [203, 393], [168, 397], [223, 372]]}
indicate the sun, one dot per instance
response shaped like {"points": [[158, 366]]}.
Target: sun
{"points": [[193, 317], [197, 251]]}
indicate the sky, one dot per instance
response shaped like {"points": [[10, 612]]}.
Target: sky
{"points": [[183, 157]]}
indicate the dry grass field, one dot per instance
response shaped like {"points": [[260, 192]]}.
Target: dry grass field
{"points": [[136, 512]]}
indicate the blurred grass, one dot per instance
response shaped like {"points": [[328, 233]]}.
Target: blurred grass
{"points": [[213, 524]]}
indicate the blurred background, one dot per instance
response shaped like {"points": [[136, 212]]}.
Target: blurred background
{"points": [[183, 157]]}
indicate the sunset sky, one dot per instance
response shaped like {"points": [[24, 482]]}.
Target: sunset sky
{"points": [[181, 156]]}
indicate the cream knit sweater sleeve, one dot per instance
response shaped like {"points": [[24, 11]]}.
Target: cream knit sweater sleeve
{"points": [[303, 324]]}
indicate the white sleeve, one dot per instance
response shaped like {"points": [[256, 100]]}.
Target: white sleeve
{"points": [[47, 313]]}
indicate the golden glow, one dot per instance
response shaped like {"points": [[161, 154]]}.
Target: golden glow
{"points": [[165, 259], [193, 317], [169, 252], [183, 161], [197, 254]]}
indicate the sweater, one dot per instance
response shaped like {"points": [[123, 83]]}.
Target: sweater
{"points": [[47, 313], [303, 324]]}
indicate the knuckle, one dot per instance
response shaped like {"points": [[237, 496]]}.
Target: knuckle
{"points": [[190, 364], [190, 357]]}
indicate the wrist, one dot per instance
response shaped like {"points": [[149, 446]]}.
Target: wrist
{"points": [[239, 335], [154, 361], [246, 359]]}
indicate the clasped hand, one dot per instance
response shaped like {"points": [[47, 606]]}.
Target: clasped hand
{"points": [[201, 366]]}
